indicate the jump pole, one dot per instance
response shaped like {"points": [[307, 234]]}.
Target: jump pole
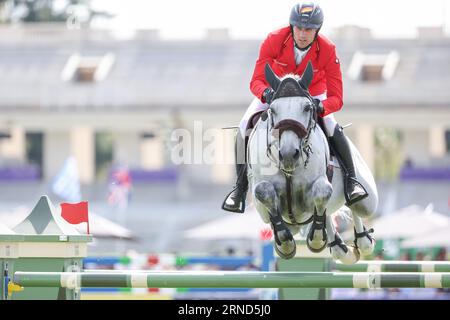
{"points": [[232, 279], [393, 266]]}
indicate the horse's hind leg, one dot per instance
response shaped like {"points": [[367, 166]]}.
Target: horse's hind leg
{"points": [[363, 209], [285, 246], [320, 192], [363, 240], [338, 249]]}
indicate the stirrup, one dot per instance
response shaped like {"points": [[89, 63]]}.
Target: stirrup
{"points": [[241, 202], [348, 201]]}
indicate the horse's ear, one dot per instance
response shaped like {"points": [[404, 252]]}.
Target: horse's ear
{"points": [[271, 77], [307, 76]]}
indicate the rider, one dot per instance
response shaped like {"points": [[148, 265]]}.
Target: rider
{"points": [[288, 50]]}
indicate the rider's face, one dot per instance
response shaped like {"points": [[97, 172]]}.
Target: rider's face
{"points": [[304, 37]]}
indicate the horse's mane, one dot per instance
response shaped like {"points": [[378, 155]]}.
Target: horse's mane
{"points": [[290, 75]]}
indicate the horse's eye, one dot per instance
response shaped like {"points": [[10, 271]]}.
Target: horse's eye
{"points": [[308, 107]]}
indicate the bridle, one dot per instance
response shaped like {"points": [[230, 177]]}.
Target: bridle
{"points": [[275, 130]]}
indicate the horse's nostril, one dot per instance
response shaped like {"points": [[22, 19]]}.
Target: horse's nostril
{"points": [[297, 154]]}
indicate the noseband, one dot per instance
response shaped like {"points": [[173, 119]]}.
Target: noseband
{"points": [[289, 125]]}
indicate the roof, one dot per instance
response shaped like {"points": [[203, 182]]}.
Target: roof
{"points": [[44, 220], [409, 222], [100, 227]]}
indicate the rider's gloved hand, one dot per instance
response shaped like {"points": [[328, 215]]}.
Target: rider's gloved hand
{"points": [[319, 106], [268, 95]]}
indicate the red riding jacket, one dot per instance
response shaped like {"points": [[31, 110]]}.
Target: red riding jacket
{"points": [[278, 51]]}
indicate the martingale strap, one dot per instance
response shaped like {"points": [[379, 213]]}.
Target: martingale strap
{"points": [[289, 199]]}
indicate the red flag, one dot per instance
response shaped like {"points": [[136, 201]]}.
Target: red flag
{"points": [[265, 234], [75, 213]]}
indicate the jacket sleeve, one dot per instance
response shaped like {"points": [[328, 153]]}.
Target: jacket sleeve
{"points": [[333, 77], [266, 55]]}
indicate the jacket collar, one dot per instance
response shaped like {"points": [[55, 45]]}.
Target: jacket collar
{"points": [[311, 55], [288, 45]]}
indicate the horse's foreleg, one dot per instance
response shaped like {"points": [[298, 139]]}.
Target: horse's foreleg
{"points": [[284, 244], [320, 192]]}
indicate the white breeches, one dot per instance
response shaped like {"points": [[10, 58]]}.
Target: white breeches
{"points": [[256, 105]]}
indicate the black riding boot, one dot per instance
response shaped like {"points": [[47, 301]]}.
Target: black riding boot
{"points": [[354, 191], [235, 200]]}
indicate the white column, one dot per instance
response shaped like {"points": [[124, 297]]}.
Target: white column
{"points": [[152, 153], [436, 141], [56, 149], [82, 147], [14, 147], [365, 143]]}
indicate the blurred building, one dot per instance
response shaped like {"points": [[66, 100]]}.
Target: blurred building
{"points": [[103, 100]]}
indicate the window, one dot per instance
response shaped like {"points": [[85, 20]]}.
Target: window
{"points": [[447, 141], [104, 151], [5, 135], [87, 69], [34, 149], [373, 67]]}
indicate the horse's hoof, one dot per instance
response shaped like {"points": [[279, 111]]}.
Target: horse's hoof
{"points": [[365, 246], [314, 245], [287, 247], [350, 257], [288, 252]]}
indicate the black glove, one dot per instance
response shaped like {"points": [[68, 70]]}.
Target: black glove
{"points": [[268, 95], [319, 106]]}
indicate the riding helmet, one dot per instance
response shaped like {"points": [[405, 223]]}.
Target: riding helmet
{"points": [[306, 15]]}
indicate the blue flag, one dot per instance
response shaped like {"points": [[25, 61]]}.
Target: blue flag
{"points": [[67, 183]]}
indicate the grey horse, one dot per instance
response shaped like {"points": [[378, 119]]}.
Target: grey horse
{"points": [[288, 156]]}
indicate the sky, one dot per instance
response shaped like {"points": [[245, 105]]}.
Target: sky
{"points": [[256, 18]]}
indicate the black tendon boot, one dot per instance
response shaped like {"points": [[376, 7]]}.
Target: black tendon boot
{"points": [[354, 191], [235, 200]]}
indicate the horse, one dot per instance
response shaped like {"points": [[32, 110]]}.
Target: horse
{"points": [[288, 160]]}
